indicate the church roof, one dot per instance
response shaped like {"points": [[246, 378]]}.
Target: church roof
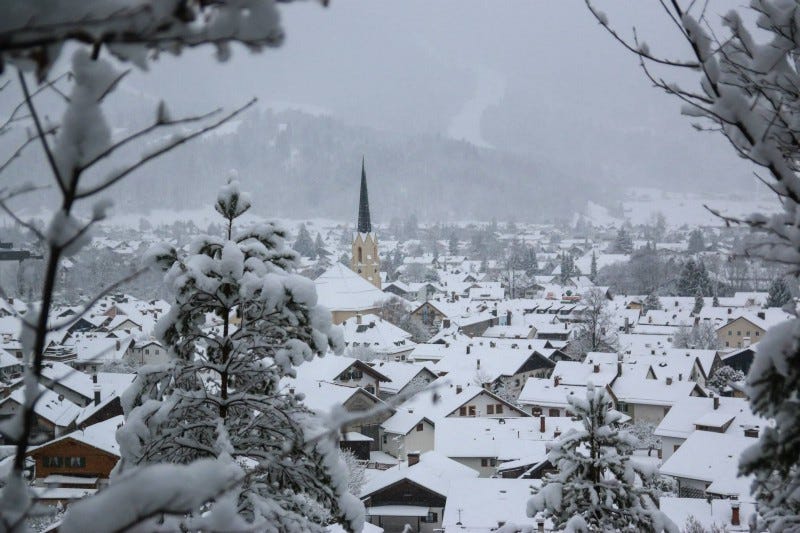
{"points": [[341, 289], [364, 223]]}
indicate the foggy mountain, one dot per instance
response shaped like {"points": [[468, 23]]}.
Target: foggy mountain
{"points": [[299, 164]]}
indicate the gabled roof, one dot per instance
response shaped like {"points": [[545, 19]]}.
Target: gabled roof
{"points": [[54, 408], [433, 472], [681, 420], [341, 289], [401, 373], [330, 367], [101, 436], [630, 389]]}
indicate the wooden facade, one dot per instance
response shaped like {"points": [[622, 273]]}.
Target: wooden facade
{"points": [[71, 457]]}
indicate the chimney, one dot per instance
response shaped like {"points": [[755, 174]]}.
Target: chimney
{"points": [[478, 364], [458, 389], [669, 380], [541, 424], [735, 520], [680, 377], [96, 389], [468, 348], [596, 368], [446, 323], [557, 433], [413, 458], [508, 318], [762, 315], [358, 318], [556, 380], [540, 525], [716, 402]]}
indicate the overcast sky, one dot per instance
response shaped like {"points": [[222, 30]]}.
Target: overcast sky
{"points": [[540, 77]]}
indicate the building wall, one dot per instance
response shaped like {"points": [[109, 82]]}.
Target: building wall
{"points": [[481, 402], [365, 260], [396, 524], [475, 464], [653, 413], [668, 446], [340, 316], [733, 334], [96, 463]]}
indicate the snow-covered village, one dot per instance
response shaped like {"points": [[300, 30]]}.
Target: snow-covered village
{"points": [[402, 267]]}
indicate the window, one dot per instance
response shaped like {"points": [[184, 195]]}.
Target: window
{"points": [[490, 409], [553, 412], [499, 409], [730, 332], [462, 411], [370, 389], [431, 518], [147, 351], [385, 439], [63, 462], [484, 461], [420, 426], [747, 333], [360, 258], [675, 447], [492, 462], [727, 344], [757, 333], [738, 333], [471, 410]]}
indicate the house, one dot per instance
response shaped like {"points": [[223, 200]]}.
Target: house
{"points": [[713, 515], [706, 465], [81, 388], [405, 378], [414, 492], [484, 444], [484, 505], [740, 359], [148, 352], [547, 396], [322, 397], [651, 399], [54, 414], [10, 366], [378, 336], [501, 368], [342, 370], [413, 425], [720, 415], [90, 453]]}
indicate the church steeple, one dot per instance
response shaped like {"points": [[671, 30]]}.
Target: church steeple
{"points": [[364, 223], [365, 260]]}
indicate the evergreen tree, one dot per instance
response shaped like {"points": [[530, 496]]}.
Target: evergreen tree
{"points": [[715, 301], [779, 294], [593, 267], [220, 397], [651, 303], [596, 480], [623, 243], [304, 245], [319, 246], [694, 279], [567, 268], [773, 384], [484, 265], [453, 244], [698, 304], [530, 263], [697, 243]]}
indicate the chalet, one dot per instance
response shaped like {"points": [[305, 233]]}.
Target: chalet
{"points": [[342, 370], [54, 414], [413, 493], [378, 336], [88, 453], [740, 359], [649, 399], [405, 378], [148, 352]]}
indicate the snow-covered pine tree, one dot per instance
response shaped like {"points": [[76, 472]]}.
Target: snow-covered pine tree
{"points": [[779, 293], [696, 242], [596, 479], [623, 243], [239, 322], [698, 303], [593, 267], [304, 245], [651, 303], [567, 267], [722, 377]]}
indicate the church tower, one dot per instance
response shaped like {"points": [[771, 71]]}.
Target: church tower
{"points": [[365, 261]]}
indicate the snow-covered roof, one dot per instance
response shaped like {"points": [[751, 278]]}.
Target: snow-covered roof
{"points": [[716, 512], [631, 389], [400, 373], [341, 289], [545, 393], [377, 334], [51, 406], [685, 414], [714, 458], [480, 505], [102, 436], [503, 438], [434, 471]]}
